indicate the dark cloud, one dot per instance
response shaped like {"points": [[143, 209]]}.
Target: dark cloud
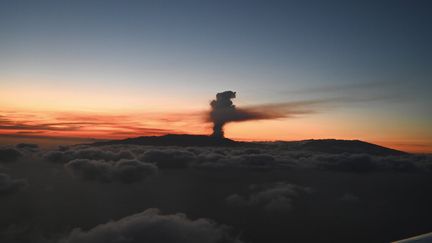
{"points": [[169, 158], [58, 156], [265, 157], [257, 160], [215, 182], [152, 226], [242, 161], [277, 197], [15, 233], [90, 169], [9, 185], [352, 163], [126, 171], [362, 163], [27, 146], [129, 171], [206, 157], [350, 198], [274, 157], [63, 155], [9, 154], [31, 147], [96, 154]]}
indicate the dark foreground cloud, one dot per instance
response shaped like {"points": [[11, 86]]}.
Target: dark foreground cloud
{"points": [[272, 157], [152, 226], [9, 185], [169, 158], [132, 163], [239, 161], [125, 170], [66, 155], [362, 163], [265, 157], [277, 197], [31, 147], [9, 154], [350, 198], [385, 192]]}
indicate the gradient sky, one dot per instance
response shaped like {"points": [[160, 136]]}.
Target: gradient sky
{"points": [[115, 69]]}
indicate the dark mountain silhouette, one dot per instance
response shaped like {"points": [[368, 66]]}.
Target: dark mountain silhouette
{"points": [[336, 146], [333, 146], [175, 140]]}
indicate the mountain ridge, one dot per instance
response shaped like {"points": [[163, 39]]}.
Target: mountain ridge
{"points": [[333, 146]]}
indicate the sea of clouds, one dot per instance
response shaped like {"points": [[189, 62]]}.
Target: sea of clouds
{"points": [[233, 194]]}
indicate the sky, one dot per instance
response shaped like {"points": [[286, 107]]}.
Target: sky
{"points": [[117, 69]]}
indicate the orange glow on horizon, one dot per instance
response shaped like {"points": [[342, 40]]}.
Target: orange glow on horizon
{"points": [[55, 112], [120, 126]]}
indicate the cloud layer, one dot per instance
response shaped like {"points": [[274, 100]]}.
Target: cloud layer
{"points": [[278, 197], [9, 154], [266, 191], [265, 157], [124, 170], [9, 185], [152, 226]]}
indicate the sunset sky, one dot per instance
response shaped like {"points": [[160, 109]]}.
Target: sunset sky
{"points": [[106, 69]]}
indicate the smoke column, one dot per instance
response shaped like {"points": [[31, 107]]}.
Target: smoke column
{"points": [[223, 110], [221, 106]]}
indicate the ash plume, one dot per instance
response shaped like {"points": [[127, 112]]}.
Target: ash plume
{"points": [[223, 111]]}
